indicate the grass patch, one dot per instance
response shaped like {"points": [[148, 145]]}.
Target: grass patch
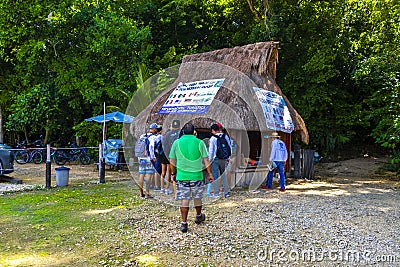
{"points": [[69, 226]]}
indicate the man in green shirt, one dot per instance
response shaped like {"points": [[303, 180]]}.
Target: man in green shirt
{"points": [[186, 156]]}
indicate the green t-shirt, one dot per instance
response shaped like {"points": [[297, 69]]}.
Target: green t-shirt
{"points": [[189, 152]]}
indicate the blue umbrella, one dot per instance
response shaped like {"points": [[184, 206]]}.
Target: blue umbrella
{"points": [[117, 116], [113, 116]]}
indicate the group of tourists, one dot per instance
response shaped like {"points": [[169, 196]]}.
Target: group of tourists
{"points": [[182, 160]]}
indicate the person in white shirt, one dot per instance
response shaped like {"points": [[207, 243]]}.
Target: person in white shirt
{"points": [[278, 157], [146, 170], [153, 139], [218, 165]]}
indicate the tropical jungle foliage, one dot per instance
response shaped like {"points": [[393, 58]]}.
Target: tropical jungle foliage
{"points": [[339, 61]]}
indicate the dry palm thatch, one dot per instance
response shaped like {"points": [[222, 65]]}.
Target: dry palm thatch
{"points": [[235, 104]]}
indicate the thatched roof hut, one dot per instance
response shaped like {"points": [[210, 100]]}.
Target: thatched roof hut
{"points": [[235, 105], [243, 68]]}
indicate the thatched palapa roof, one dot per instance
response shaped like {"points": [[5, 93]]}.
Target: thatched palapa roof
{"points": [[235, 104]]}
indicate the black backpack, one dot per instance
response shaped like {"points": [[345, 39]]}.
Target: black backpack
{"points": [[169, 139], [223, 147], [158, 149]]}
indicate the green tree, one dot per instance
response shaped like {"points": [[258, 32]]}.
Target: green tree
{"points": [[309, 69], [377, 71], [88, 53], [35, 111], [335, 57]]}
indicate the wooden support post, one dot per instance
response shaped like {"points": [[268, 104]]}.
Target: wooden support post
{"points": [[48, 167], [308, 170], [296, 162], [102, 166]]}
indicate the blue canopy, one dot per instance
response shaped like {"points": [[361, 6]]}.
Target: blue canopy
{"points": [[113, 116]]}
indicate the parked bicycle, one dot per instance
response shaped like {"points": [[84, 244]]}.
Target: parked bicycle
{"points": [[56, 155], [29, 152], [62, 156]]}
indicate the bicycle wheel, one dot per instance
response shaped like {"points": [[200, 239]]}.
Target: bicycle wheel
{"points": [[37, 157], [60, 157], [84, 159], [21, 157]]}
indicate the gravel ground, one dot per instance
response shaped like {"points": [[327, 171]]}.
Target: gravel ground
{"points": [[335, 221], [311, 224]]}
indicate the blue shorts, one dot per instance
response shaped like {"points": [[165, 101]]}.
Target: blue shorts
{"points": [[145, 166], [189, 190]]}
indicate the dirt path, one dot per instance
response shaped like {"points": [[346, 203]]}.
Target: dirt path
{"points": [[353, 168]]}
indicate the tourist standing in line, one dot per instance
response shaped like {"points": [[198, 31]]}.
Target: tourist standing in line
{"points": [[163, 160], [153, 139], [219, 151], [186, 158], [170, 137], [146, 170]]}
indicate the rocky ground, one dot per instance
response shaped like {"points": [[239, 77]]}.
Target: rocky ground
{"points": [[348, 216]]}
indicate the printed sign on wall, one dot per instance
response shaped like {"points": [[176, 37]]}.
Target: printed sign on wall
{"points": [[276, 112], [191, 98]]}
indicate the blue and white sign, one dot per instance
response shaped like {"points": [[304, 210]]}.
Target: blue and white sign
{"points": [[276, 113], [191, 98]]}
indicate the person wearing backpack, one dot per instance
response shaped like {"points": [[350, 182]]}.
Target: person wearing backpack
{"points": [[219, 152], [154, 139], [170, 137], [146, 169]]}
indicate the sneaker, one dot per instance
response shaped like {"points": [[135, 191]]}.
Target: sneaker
{"points": [[168, 191], [184, 227], [215, 196], [148, 196], [157, 189], [162, 191], [200, 219], [282, 189], [142, 196], [227, 195]]}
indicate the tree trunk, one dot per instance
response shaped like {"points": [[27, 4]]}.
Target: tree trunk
{"points": [[296, 164], [46, 136], [26, 135], [253, 10]]}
